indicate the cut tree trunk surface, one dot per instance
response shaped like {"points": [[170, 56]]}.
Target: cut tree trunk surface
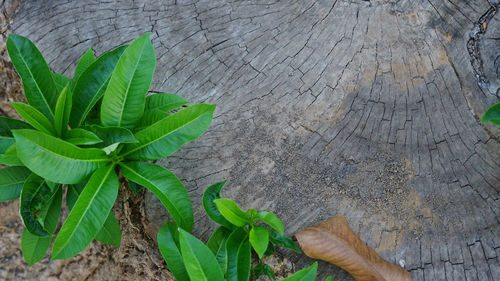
{"points": [[368, 109]]}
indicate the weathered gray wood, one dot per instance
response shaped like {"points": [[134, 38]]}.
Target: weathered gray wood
{"points": [[364, 108]]}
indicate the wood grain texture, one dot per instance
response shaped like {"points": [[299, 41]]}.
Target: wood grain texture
{"points": [[363, 108]]}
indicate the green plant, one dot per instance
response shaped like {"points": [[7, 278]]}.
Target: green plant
{"points": [[83, 133], [227, 254], [492, 115]]}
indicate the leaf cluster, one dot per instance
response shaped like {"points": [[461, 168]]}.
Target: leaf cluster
{"points": [[84, 133], [227, 254]]}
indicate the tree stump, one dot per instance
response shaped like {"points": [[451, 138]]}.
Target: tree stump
{"points": [[368, 109]]}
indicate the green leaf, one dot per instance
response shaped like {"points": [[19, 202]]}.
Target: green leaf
{"points": [[210, 194], [306, 274], [111, 135], [88, 215], [149, 118], [7, 124], [215, 240], [221, 256], [85, 61], [61, 81], [134, 187], [166, 186], [251, 213], [239, 256], [263, 269], [111, 148], [200, 262], [167, 135], [55, 159], [39, 86], [10, 157], [283, 241], [34, 117], [34, 195], [81, 137], [232, 212], [11, 182], [329, 278], [90, 86], [259, 238], [217, 244], [5, 143], [270, 249], [492, 115], [34, 247], [164, 102], [110, 232], [62, 112], [271, 219], [124, 100], [73, 193], [168, 242]]}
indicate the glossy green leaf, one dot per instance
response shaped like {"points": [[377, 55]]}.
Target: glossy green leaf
{"points": [[62, 112], [111, 135], [61, 81], [167, 135], [80, 136], [10, 157], [149, 118], [259, 238], [263, 269], [134, 187], [164, 102], [270, 249], [232, 212], [34, 247], [166, 186], [123, 102], [7, 124], [41, 153], [217, 244], [5, 143], [90, 86], [88, 215], [215, 240], [306, 274], [11, 182], [221, 256], [111, 148], [271, 219], [283, 241], [39, 86], [110, 232], [72, 194], [168, 242], [239, 256], [329, 278], [210, 194], [200, 262], [85, 61], [492, 115], [34, 195], [34, 117]]}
